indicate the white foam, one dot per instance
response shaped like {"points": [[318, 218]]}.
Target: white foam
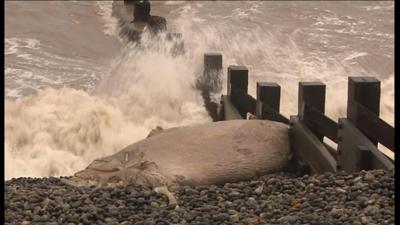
{"points": [[13, 93], [57, 132], [387, 100], [174, 2], [36, 66], [60, 131], [32, 43], [104, 9], [12, 45], [355, 55], [379, 7]]}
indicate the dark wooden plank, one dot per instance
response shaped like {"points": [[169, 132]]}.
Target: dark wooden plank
{"points": [[349, 156], [319, 123], [309, 148], [230, 112], [374, 127], [269, 113]]}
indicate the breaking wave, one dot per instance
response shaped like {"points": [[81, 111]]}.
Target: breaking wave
{"points": [[62, 113]]}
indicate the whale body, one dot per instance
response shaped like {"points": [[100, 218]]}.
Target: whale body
{"points": [[211, 153]]}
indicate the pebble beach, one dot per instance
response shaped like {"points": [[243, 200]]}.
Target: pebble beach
{"points": [[366, 197]]}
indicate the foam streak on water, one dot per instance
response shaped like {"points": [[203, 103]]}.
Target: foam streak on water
{"points": [[76, 92]]}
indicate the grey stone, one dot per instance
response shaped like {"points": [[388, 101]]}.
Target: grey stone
{"points": [[234, 218], [369, 176], [154, 204]]}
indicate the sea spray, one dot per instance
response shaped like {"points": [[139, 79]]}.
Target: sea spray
{"points": [[273, 54], [59, 131], [109, 105]]}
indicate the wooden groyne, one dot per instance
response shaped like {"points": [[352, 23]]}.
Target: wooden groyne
{"points": [[357, 135]]}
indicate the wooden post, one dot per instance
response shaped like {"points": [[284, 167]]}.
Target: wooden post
{"points": [[312, 94], [365, 91], [365, 162], [141, 11], [212, 61], [304, 168], [356, 151], [237, 90], [212, 80], [267, 94], [237, 79]]}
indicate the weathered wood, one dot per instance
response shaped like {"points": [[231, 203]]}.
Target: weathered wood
{"points": [[366, 158], [212, 73], [269, 93], [349, 155], [309, 148], [237, 79], [313, 94], [319, 123], [212, 61], [270, 114], [141, 10], [237, 90], [365, 91], [268, 101], [304, 168], [356, 136], [244, 103], [331, 150], [268, 96], [374, 127], [230, 111]]}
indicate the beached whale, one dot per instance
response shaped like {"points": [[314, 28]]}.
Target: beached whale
{"points": [[212, 153]]}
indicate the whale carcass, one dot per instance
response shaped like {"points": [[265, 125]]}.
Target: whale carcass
{"points": [[212, 153]]}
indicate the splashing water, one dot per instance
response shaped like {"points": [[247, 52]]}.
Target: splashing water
{"points": [[60, 131], [59, 120]]}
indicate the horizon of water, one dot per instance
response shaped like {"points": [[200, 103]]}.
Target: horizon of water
{"points": [[76, 91]]}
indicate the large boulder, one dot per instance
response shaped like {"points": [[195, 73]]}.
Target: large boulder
{"points": [[211, 153]]}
